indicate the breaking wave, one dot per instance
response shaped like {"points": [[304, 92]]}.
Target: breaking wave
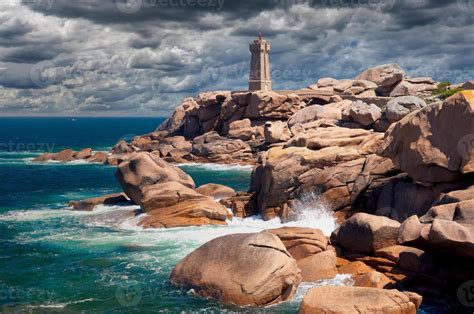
{"points": [[216, 167]]}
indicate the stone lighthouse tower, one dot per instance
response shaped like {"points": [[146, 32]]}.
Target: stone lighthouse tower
{"points": [[260, 65]]}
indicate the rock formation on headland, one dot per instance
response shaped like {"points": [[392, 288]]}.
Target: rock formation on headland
{"points": [[167, 194], [240, 269], [390, 155]]}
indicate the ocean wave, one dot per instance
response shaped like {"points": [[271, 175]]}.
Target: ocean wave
{"points": [[58, 305], [47, 213], [79, 162], [109, 226], [19, 153], [17, 157], [217, 167]]}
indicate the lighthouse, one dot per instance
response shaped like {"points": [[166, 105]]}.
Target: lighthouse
{"points": [[260, 65]]}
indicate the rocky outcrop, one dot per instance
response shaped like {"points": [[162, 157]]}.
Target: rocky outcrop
{"points": [[469, 85], [211, 147], [122, 147], [305, 115], [277, 177], [244, 130], [426, 146], [90, 203], [301, 242], [418, 86], [457, 205], [365, 276], [172, 148], [417, 199], [68, 155], [237, 115], [336, 163], [365, 234], [413, 232], [450, 237], [441, 237], [318, 266], [242, 204], [364, 114], [166, 194], [346, 184], [83, 154], [176, 122], [331, 86], [342, 299], [399, 107], [331, 136], [144, 169], [98, 157], [240, 269], [269, 105], [329, 112], [276, 131], [408, 258], [192, 212], [310, 248], [217, 191], [386, 76]]}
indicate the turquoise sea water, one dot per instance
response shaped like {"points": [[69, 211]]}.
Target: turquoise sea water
{"points": [[56, 260]]}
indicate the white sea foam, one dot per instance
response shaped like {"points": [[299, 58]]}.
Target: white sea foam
{"points": [[77, 162], [164, 245], [217, 167], [58, 305], [43, 214], [313, 216], [339, 280]]}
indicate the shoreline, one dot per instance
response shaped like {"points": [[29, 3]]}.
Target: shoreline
{"points": [[326, 177]]}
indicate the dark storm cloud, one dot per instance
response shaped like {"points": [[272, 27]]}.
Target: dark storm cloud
{"points": [[29, 54], [107, 57], [119, 11], [11, 28]]}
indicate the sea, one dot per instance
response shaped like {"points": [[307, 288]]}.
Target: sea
{"points": [[56, 260]]}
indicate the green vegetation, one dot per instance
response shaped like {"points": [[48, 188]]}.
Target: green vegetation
{"points": [[443, 92]]}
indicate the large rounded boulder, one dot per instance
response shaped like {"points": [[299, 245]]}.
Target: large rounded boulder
{"points": [[144, 169], [365, 234], [435, 144], [339, 300], [240, 269], [386, 76]]}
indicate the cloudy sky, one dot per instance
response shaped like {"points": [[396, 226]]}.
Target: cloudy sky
{"points": [[141, 57]]}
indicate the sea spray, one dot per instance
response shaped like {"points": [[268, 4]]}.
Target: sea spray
{"points": [[311, 211]]}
